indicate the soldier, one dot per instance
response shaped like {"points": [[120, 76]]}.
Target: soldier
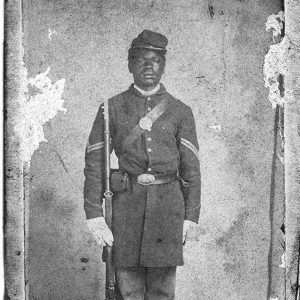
{"points": [[157, 188]]}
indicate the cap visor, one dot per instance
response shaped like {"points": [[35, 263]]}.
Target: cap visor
{"points": [[151, 48]]}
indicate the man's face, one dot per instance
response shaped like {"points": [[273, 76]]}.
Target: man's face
{"points": [[147, 68]]}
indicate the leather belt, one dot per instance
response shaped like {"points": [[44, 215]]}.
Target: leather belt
{"points": [[151, 179]]}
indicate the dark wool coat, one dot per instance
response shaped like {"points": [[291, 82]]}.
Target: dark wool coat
{"points": [[147, 220]]}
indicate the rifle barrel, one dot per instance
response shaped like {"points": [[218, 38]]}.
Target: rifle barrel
{"points": [[107, 146], [110, 271]]}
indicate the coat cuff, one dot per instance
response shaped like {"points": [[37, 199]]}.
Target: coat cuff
{"points": [[93, 213], [193, 214], [92, 210]]}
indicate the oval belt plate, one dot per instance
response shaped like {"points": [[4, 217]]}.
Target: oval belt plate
{"points": [[146, 123], [145, 179]]}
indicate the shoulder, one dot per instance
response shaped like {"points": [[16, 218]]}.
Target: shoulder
{"points": [[178, 105], [115, 101], [118, 101]]}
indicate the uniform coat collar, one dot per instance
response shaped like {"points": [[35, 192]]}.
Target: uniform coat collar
{"points": [[134, 91]]}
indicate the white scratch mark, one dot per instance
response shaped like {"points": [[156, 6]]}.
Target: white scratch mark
{"points": [[275, 24], [281, 158], [40, 101], [282, 265], [50, 33], [276, 62]]}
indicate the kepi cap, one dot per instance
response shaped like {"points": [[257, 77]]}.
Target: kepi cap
{"points": [[150, 40]]}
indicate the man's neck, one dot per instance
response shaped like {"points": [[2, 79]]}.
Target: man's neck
{"points": [[149, 92]]}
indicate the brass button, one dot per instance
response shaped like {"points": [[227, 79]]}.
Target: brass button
{"points": [[149, 108], [149, 139], [149, 169], [149, 150]]}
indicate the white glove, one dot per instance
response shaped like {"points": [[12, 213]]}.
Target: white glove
{"points": [[100, 231], [187, 224]]}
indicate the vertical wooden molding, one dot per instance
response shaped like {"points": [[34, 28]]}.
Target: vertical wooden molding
{"points": [[292, 149], [14, 255]]}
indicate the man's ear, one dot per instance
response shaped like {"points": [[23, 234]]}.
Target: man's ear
{"points": [[130, 66], [163, 68]]}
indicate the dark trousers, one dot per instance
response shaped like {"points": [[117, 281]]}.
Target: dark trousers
{"points": [[142, 283]]}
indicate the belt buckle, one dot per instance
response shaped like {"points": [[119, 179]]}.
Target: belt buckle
{"points": [[145, 179]]}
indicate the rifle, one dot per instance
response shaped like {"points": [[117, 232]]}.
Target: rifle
{"points": [[107, 250]]}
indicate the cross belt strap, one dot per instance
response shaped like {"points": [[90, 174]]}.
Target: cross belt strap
{"points": [[146, 122]]}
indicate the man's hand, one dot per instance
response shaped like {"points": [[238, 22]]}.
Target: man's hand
{"points": [[100, 231], [186, 226]]}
